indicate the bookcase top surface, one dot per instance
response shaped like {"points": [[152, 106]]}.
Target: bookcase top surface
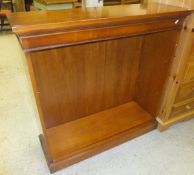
{"points": [[24, 22]]}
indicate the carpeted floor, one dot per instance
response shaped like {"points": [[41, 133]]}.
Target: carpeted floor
{"points": [[168, 153]]}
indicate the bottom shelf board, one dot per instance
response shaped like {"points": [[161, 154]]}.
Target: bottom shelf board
{"points": [[77, 140]]}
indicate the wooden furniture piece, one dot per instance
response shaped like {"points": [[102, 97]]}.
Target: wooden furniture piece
{"points": [[9, 4], [180, 95], [54, 4], [20, 6], [118, 2], [78, 4], [3, 15], [98, 74], [178, 103]]}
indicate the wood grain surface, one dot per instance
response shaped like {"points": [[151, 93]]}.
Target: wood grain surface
{"points": [[98, 74], [157, 56], [57, 20], [85, 79]]}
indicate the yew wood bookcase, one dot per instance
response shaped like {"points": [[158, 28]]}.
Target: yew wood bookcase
{"points": [[98, 74]]}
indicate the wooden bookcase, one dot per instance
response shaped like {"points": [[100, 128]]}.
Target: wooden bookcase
{"points": [[98, 75]]}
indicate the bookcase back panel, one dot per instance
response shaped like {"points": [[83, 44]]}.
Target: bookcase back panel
{"points": [[73, 82]]}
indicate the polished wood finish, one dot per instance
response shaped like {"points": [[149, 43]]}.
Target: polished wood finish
{"points": [[150, 88], [58, 79], [92, 72], [97, 147], [82, 36], [76, 20], [93, 130]]}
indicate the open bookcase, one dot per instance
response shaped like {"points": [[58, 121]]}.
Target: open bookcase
{"points": [[98, 74]]}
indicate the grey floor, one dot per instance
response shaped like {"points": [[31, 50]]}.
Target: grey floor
{"points": [[168, 153]]}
